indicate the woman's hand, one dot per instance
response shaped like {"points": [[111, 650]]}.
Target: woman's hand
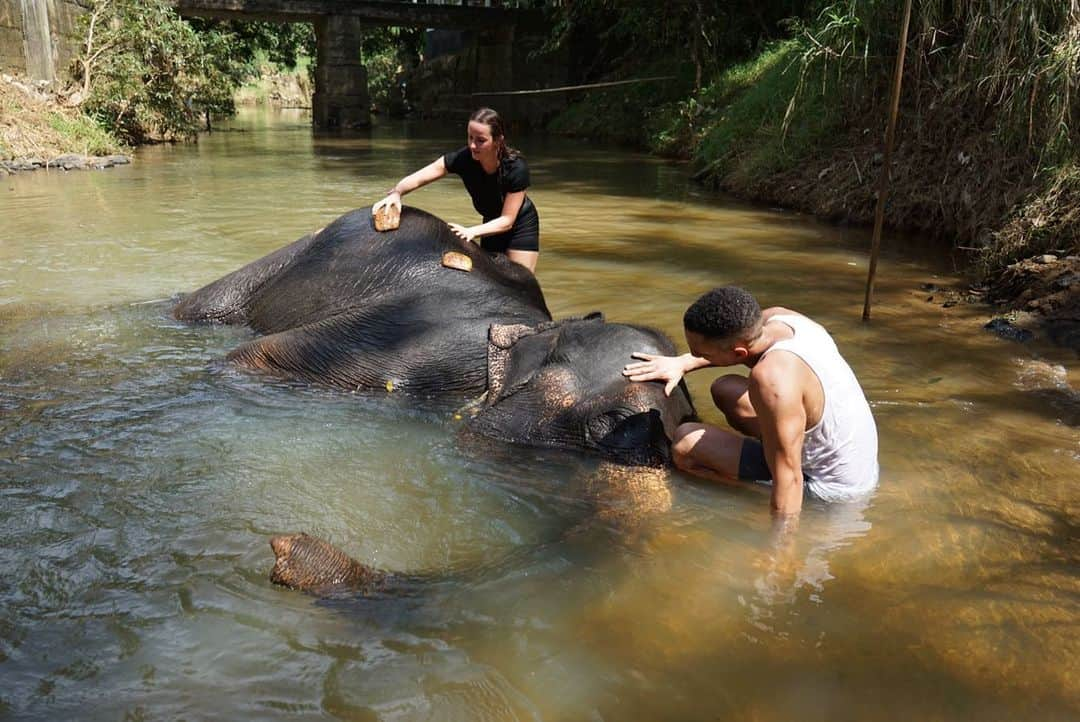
{"points": [[392, 201], [656, 368], [465, 234]]}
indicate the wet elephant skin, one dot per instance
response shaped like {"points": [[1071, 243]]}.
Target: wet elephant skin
{"points": [[355, 308], [359, 309]]}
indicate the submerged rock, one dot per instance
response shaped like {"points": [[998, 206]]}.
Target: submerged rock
{"points": [[1007, 330]]}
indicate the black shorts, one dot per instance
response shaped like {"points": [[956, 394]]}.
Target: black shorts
{"points": [[523, 236], [752, 464]]}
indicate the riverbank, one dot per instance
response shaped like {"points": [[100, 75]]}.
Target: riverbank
{"points": [[763, 131], [43, 129], [277, 87]]}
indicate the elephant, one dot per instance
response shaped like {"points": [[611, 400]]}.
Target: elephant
{"points": [[422, 312], [619, 496]]}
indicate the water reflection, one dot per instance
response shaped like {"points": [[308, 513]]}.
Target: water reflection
{"points": [[141, 478]]}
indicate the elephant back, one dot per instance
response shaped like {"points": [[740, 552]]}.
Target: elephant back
{"points": [[349, 266]]}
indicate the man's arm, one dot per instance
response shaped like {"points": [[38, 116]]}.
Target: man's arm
{"points": [[777, 398]]}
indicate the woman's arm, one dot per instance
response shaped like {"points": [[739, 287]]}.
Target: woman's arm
{"points": [[433, 171], [500, 224]]}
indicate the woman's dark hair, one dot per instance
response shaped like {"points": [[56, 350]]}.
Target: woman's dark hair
{"points": [[725, 313], [494, 122]]}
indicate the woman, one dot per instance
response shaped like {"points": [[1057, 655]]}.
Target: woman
{"points": [[496, 177]]}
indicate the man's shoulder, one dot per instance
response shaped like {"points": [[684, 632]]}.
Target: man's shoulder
{"points": [[769, 313], [780, 372], [775, 366]]}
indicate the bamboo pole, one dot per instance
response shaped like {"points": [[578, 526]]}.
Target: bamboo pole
{"points": [[883, 183]]}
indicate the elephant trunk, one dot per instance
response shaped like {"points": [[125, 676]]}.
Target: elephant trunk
{"points": [[310, 564]]}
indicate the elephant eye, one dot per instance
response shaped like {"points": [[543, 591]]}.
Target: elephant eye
{"points": [[623, 428]]}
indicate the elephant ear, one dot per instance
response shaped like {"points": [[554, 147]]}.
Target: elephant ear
{"points": [[501, 340], [511, 364]]}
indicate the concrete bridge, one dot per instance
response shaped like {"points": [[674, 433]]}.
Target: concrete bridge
{"points": [[38, 38], [341, 94]]}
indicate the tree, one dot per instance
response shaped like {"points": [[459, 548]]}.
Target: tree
{"points": [[147, 73]]}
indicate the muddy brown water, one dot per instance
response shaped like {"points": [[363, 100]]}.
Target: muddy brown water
{"points": [[141, 479]]}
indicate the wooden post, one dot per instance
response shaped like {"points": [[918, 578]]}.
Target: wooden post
{"points": [[883, 183]]}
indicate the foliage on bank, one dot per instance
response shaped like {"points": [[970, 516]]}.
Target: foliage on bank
{"points": [[148, 74], [34, 124], [388, 54], [987, 151]]}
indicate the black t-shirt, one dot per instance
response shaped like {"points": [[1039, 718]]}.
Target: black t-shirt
{"points": [[488, 190]]}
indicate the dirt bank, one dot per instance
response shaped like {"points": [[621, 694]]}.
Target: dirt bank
{"points": [[277, 88], [1023, 232], [41, 128]]}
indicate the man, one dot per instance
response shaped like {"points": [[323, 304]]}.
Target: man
{"points": [[802, 418]]}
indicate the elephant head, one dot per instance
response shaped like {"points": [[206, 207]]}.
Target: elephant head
{"points": [[560, 385]]}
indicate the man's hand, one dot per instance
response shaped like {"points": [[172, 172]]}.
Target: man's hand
{"points": [[656, 368], [465, 234]]}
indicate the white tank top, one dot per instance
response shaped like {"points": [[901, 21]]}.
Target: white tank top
{"points": [[839, 454]]}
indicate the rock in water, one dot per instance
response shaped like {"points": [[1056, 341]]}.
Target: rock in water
{"points": [[1008, 331]]}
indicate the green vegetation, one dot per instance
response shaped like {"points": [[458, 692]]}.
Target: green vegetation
{"points": [[386, 53], [36, 126], [148, 73], [987, 149], [82, 134], [630, 115], [278, 84], [997, 79], [743, 122]]}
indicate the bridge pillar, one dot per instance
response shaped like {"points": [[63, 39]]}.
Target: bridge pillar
{"points": [[495, 59], [341, 94]]}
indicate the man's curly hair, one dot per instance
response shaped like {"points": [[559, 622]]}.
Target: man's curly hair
{"points": [[725, 313]]}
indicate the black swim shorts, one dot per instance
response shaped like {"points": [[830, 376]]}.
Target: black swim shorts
{"points": [[524, 236], [752, 464]]}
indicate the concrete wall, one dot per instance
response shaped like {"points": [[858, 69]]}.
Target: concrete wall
{"points": [[38, 38], [12, 53]]}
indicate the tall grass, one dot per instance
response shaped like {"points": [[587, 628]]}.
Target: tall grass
{"points": [[746, 133], [82, 135], [1010, 66]]}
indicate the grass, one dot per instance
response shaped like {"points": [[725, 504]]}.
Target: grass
{"points": [[1049, 222], [270, 80], [81, 134], [33, 126], [748, 131]]}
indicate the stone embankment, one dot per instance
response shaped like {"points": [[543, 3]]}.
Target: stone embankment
{"points": [[69, 161]]}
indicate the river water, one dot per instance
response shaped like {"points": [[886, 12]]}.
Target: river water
{"points": [[141, 478]]}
